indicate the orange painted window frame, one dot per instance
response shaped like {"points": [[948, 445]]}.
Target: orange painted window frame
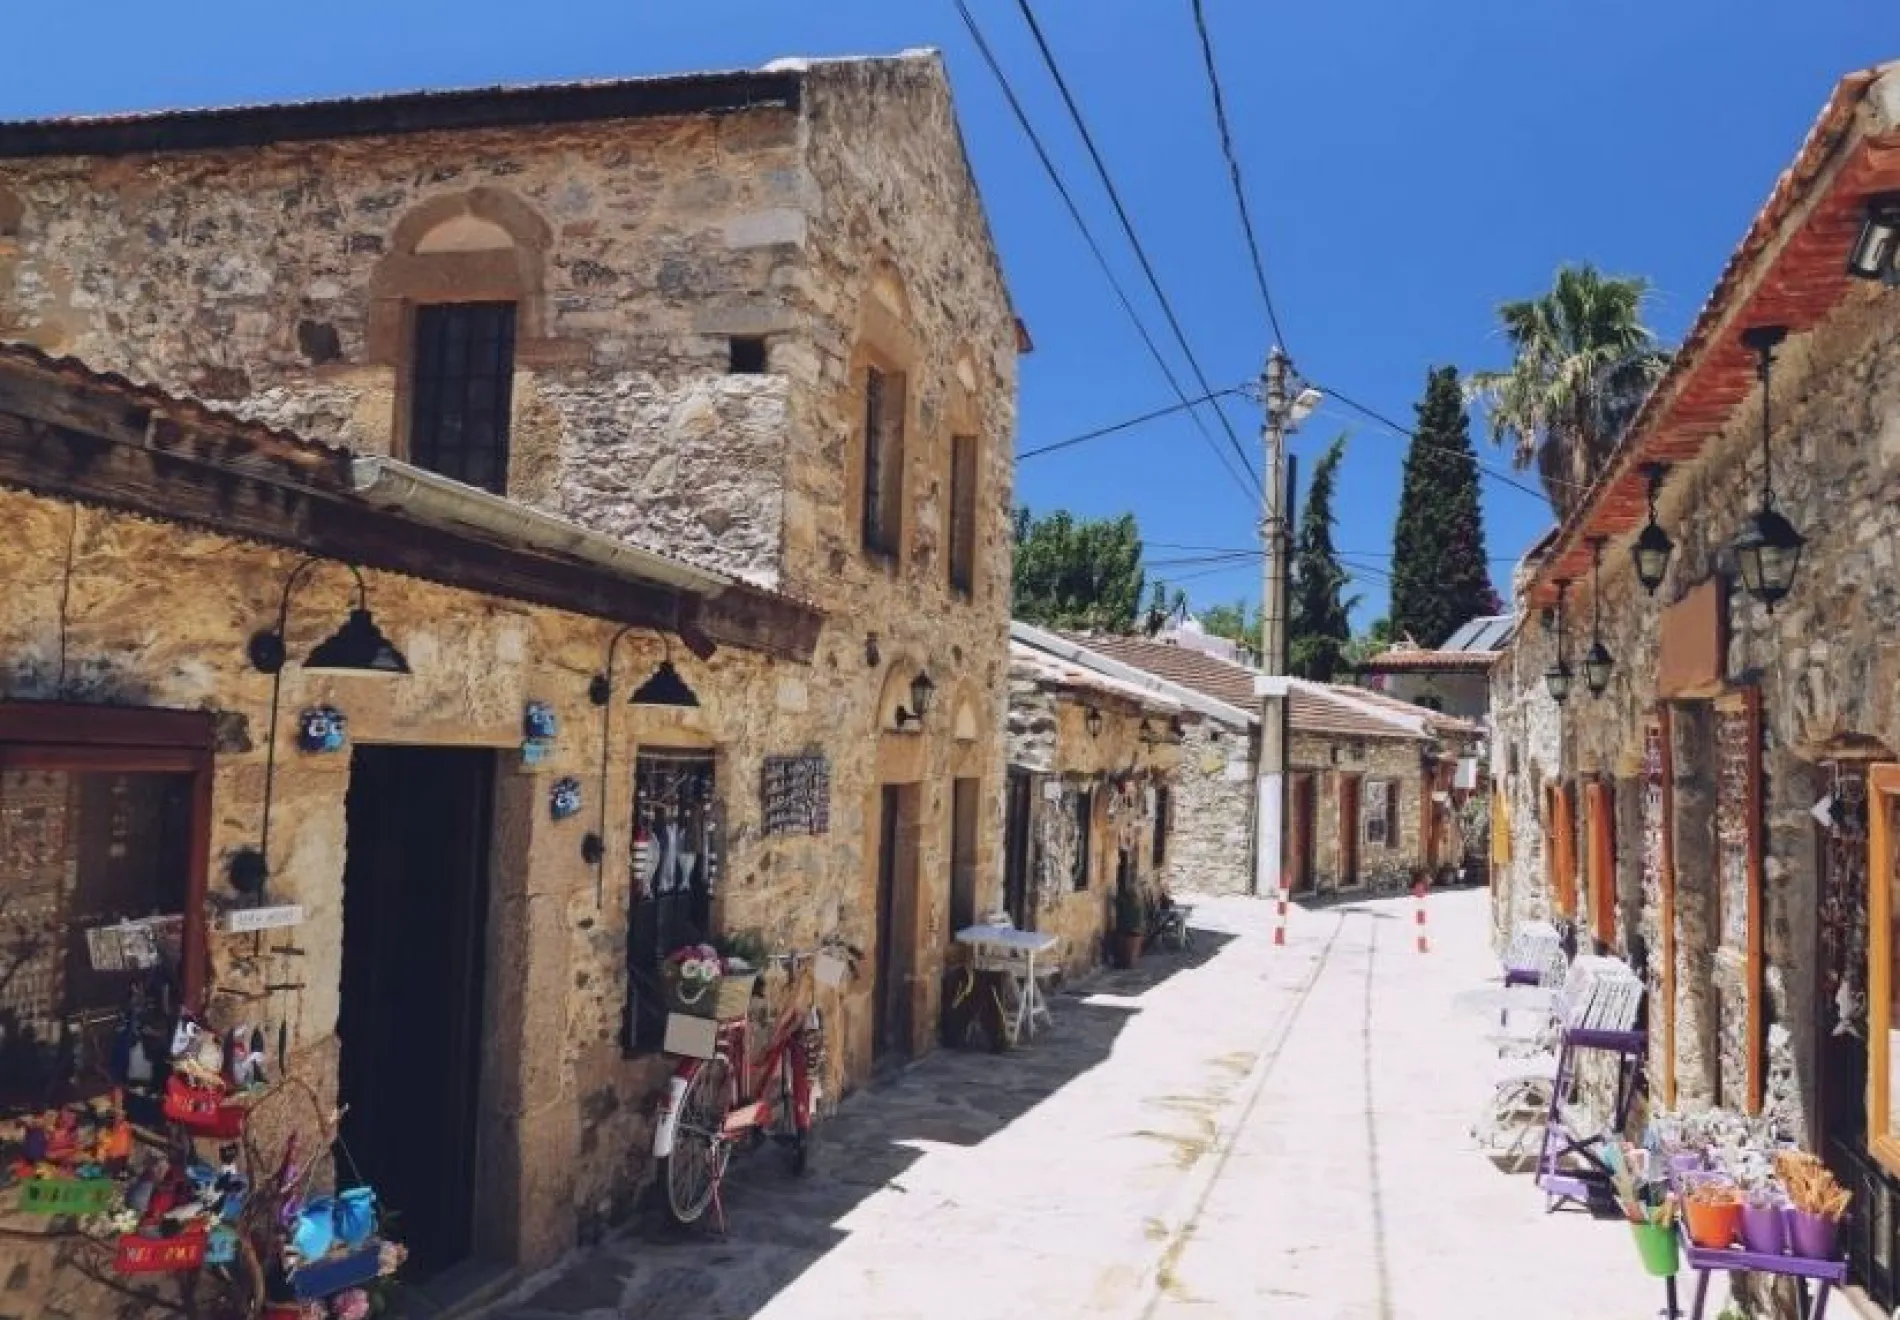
{"points": [[1883, 849], [1599, 806], [1563, 848]]}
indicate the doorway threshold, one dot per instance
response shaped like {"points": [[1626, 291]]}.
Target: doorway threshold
{"points": [[460, 1290]]}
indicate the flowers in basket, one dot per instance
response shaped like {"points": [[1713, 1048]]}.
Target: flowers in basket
{"points": [[695, 966]]}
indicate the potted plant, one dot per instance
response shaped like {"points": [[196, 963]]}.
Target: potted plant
{"points": [[1131, 924], [1817, 1202], [1713, 1209]]}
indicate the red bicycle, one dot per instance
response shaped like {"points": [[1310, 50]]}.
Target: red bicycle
{"points": [[745, 1096]]}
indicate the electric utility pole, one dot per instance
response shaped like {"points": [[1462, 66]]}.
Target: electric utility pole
{"points": [[1270, 808]]}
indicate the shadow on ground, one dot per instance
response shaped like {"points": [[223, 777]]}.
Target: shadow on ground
{"points": [[778, 1226]]}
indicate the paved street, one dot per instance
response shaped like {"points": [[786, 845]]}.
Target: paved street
{"points": [[1240, 1131]]}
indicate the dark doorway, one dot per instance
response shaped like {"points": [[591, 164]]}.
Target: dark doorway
{"points": [[965, 795], [1300, 845], [1016, 888], [415, 899], [896, 922]]}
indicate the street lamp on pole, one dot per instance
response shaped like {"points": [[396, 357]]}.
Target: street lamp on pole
{"points": [[1284, 413]]}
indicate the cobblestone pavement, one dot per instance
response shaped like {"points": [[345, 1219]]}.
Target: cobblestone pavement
{"points": [[1243, 1130]]}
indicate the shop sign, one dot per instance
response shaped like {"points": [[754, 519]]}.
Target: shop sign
{"points": [[244, 920], [796, 795]]}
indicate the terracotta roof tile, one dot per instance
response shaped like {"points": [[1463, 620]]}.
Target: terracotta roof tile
{"points": [[1474, 661]]}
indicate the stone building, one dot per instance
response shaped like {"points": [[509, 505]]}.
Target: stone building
{"points": [[1091, 781], [1371, 792], [751, 320], [1454, 677], [1723, 812]]}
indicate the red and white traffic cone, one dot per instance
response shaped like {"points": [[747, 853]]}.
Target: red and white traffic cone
{"points": [[1279, 931], [1418, 892]]}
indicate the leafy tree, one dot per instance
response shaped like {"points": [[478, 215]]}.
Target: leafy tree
{"points": [[1582, 363], [1072, 573], [1321, 624], [1234, 622], [1440, 576], [1369, 643]]}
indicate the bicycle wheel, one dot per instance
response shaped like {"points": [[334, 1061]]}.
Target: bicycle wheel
{"points": [[692, 1172], [797, 1127]]}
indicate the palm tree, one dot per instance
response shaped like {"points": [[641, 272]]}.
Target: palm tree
{"points": [[1582, 363]]}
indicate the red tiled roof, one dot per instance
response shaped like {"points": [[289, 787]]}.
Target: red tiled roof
{"points": [[1461, 661], [1436, 720], [1313, 708], [1818, 203]]}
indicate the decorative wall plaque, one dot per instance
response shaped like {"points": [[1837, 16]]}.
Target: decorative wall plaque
{"points": [[795, 795]]}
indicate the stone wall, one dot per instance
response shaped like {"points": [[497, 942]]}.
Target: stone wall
{"points": [[1210, 849], [277, 279], [1828, 675], [1392, 761], [1526, 755]]}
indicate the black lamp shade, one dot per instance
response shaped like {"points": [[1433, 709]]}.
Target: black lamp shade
{"points": [[1651, 551], [922, 693], [1557, 679], [665, 688], [1597, 664], [1768, 554], [357, 648], [1876, 251]]}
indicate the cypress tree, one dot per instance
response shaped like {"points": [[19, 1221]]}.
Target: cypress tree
{"points": [[1440, 576], [1320, 626]]}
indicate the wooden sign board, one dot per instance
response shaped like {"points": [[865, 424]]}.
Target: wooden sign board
{"points": [[1692, 656], [796, 795]]}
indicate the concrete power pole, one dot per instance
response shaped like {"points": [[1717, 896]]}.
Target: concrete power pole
{"points": [[1271, 807]]}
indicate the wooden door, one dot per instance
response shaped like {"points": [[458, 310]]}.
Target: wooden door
{"points": [[1016, 852], [1301, 840], [896, 922], [1349, 787]]}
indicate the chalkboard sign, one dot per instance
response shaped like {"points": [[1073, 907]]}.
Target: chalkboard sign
{"points": [[797, 795]]}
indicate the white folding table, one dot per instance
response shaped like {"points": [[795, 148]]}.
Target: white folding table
{"points": [[1013, 952]]}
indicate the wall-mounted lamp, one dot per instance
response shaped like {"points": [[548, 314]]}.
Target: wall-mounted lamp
{"points": [[1652, 547], [358, 649], [1768, 552], [1597, 661], [923, 694], [663, 687], [1876, 251], [1557, 677], [1093, 722]]}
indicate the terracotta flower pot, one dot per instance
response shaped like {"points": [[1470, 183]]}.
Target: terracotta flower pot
{"points": [[1713, 1224], [1127, 949]]}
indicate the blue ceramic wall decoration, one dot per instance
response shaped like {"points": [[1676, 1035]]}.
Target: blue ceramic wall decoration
{"points": [[565, 801], [322, 729], [539, 723]]}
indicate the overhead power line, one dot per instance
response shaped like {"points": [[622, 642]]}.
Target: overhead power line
{"points": [[1232, 549], [1101, 431], [1486, 469], [1233, 171], [1250, 484], [1128, 225]]}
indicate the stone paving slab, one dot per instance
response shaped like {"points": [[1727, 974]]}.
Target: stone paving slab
{"points": [[1246, 1130]]}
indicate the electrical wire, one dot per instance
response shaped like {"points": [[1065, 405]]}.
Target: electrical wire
{"points": [[1484, 468], [1121, 214], [1101, 431], [1230, 549], [1251, 484], [1233, 171]]}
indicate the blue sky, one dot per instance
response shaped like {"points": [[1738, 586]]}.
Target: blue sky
{"points": [[1410, 166]]}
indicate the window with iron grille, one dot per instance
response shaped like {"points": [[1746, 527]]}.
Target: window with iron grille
{"points": [[963, 450], [1382, 812], [676, 856], [461, 390], [883, 459]]}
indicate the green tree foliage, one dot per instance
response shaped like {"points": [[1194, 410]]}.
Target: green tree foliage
{"points": [[1072, 573], [1582, 362], [1236, 622], [1320, 627], [1440, 576], [1369, 643]]}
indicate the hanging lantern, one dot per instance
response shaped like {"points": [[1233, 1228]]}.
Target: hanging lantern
{"points": [[1768, 552], [1597, 661], [1652, 547], [1557, 677]]}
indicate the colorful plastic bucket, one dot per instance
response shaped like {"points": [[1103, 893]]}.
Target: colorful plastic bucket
{"points": [[1657, 1246], [1814, 1235], [1764, 1229]]}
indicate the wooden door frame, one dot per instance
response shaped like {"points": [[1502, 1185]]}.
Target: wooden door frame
{"points": [[1350, 824], [1883, 793]]}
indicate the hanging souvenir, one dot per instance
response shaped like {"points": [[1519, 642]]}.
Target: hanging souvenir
{"points": [[565, 800], [322, 729], [538, 723]]}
